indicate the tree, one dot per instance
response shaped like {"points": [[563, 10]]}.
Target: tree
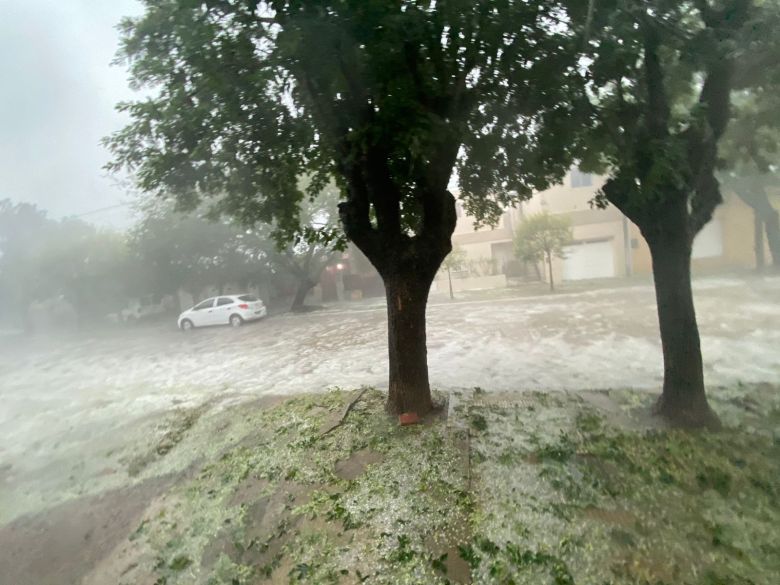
{"points": [[42, 258], [186, 251], [22, 226], [387, 98], [455, 260], [540, 237], [750, 152], [661, 75], [306, 257]]}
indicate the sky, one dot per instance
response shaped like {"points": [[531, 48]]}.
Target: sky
{"points": [[58, 90]]}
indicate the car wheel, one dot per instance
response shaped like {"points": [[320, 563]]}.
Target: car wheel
{"points": [[186, 325], [236, 321]]}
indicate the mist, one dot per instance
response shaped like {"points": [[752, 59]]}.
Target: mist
{"points": [[389, 296], [57, 104]]}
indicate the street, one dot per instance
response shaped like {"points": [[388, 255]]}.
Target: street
{"points": [[65, 398]]}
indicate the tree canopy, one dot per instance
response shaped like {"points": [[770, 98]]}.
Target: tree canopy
{"points": [[387, 98], [245, 97]]}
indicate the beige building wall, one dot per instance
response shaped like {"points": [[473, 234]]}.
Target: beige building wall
{"points": [[571, 198], [733, 220]]}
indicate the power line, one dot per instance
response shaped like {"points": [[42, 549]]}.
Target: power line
{"points": [[101, 209]]}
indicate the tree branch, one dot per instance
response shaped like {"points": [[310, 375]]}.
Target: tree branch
{"points": [[658, 102], [350, 405]]}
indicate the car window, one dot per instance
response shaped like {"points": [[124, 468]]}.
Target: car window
{"points": [[248, 298], [224, 301], [207, 304]]}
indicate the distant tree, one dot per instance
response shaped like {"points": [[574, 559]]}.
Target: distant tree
{"points": [[383, 97], [661, 75], [455, 260], [86, 266], [186, 251], [541, 237], [750, 151], [307, 256], [42, 258], [22, 227]]}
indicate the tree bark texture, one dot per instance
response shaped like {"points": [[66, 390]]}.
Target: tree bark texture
{"points": [[407, 298], [407, 264], [683, 400]]}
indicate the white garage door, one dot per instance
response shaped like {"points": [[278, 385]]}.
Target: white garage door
{"points": [[589, 260]]}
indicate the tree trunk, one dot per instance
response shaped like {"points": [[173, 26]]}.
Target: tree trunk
{"points": [[683, 401], [449, 276], [758, 240], [549, 265], [407, 297], [772, 226], [758, 200], [304, 286], [408, 264]]}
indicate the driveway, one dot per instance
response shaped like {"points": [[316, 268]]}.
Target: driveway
{"points": [[67, 398]]}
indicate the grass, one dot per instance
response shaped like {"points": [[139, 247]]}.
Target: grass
{"points": [[557, 489]]}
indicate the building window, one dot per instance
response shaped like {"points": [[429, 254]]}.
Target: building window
{"points": [[580, 179]]}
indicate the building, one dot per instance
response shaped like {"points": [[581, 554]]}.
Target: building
{"points": [[604, 243]]}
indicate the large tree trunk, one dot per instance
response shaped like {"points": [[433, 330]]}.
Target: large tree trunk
{"points": [[683, 401], [407, 265], [304, 286], [407, 297]]}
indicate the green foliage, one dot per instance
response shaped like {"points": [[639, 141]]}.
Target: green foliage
{"points": [[243, 98], [478, 422], [190, 252], [42, 259], [455, 260], [662, 73], [542, 236]]}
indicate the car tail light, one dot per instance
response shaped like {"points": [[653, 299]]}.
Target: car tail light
{"points": [[243, 306]]}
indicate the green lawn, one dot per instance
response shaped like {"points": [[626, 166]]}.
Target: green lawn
{"points": [[535, 488]]}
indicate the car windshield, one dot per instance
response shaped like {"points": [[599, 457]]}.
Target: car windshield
{"points": [[248, 298]]}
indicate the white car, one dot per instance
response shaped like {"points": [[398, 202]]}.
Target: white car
{"points": [[223, 310]]}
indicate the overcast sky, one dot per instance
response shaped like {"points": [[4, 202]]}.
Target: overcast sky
{"points": [[57, 96]]}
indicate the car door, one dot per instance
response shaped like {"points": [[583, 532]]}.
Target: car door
{"points": [[223, 310], [202, 313]]}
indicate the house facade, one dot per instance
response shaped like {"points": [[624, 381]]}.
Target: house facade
{"points": [[605, 244]]}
